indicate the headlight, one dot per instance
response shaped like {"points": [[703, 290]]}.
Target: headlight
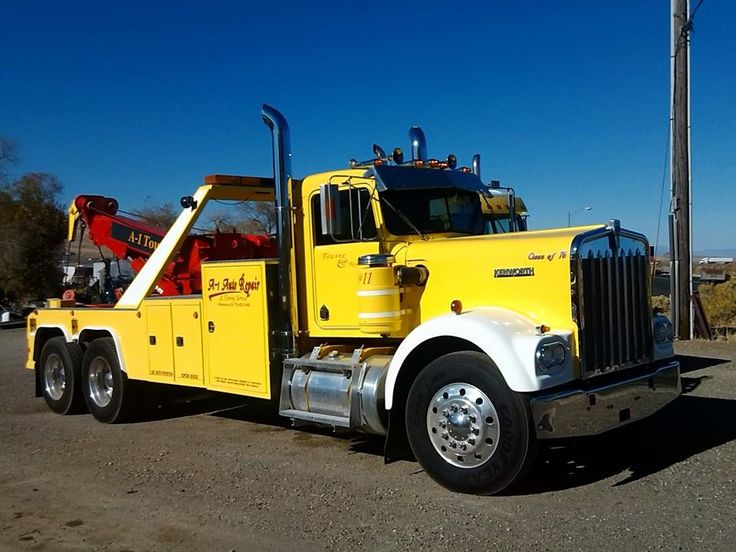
{"points": [[550, 355], [663, 331]]}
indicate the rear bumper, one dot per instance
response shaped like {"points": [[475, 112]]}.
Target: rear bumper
{"points": [[578, 412]]}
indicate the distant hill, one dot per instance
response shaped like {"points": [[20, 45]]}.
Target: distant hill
{"points": [[728, 252]]}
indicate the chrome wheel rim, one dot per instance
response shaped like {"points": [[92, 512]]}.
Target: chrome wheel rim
{"points": [[463, 425], [54, 377], [100, 382]]}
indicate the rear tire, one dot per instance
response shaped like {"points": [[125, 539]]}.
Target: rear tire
{"points": [[467, 429], [60, 376], [110, 396]]}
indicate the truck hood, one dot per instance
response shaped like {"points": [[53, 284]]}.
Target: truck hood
{"points": [[527, 272]]}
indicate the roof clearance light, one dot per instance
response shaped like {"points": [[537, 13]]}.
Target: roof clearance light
{"points": [[434, 163], [465, 169], [456, 306], [418, 163]]}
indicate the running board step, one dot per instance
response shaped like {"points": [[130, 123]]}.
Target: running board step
{"points": [[326, 419]]}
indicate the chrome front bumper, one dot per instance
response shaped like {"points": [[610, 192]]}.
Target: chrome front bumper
{"points": [[578, 412]]}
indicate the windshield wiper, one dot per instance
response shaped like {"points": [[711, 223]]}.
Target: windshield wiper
{"points": [[403, 217]]}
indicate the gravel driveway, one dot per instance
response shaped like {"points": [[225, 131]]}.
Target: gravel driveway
{"points": [[214, 474]]}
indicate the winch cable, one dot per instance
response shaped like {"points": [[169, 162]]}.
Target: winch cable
{"points": [[68, 254]]}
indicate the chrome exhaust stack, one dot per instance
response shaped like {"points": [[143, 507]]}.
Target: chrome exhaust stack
{"points": [[418, 144], [476, 165], [282, 180]]}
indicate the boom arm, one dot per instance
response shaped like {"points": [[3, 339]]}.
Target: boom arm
{"points": [[124, 236], [135, 240]]}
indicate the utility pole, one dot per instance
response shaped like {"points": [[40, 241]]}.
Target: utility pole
{"points": [[681, 205]]}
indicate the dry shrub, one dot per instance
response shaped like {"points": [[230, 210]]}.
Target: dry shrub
{"points": [[661, 303], [719, 302]]}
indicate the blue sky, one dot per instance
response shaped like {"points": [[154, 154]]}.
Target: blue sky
{"points": [[566, 101]]}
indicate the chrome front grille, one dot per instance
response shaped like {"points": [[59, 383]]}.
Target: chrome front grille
{"points": [[612, 302]]}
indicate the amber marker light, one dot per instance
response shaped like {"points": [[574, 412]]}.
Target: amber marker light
{"points": [[418, 163], [456, 306], [434, 163]]}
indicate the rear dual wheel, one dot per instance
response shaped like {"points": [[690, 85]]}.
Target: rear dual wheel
{"points": [[61, 376], [110, 396], [467, 429]]}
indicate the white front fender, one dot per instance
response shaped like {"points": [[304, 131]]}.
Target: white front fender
{"points": [[507, 337]]}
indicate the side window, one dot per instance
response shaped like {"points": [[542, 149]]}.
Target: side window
{"points": [[357, 212]]}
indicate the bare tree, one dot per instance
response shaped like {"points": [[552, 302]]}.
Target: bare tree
{"points": [[260, 217], [159, 215], [221, 221]]}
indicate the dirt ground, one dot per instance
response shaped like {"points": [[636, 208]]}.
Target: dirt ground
{"points": [[218, 476]]}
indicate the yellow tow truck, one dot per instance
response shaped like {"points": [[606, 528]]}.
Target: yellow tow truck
{"points": [[400, 304]]}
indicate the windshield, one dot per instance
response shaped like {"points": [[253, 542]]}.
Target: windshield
{"points": [[499, 224], [432, 211]]}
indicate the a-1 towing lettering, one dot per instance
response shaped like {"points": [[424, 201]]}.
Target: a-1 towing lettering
{"points": [[142, 240]]}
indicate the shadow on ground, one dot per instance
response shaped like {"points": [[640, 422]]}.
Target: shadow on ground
{"points": [[687, 427], [693, 363]]}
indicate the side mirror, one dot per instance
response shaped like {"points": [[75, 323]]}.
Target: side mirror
{"points": [[330, 212]]}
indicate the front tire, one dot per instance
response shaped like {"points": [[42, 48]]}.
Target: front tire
{"points": [[467, 429], [110, 396], [60, 376]]}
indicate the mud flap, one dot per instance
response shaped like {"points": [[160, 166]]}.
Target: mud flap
{"points": [[396, 446]]}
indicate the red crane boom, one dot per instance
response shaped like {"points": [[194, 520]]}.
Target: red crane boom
{"points": [[133, 239]]}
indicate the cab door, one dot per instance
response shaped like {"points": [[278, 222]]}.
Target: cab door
{"points": [[334, 260]]}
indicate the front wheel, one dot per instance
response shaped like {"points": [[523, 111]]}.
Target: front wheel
{"points": [[467, 429]]}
